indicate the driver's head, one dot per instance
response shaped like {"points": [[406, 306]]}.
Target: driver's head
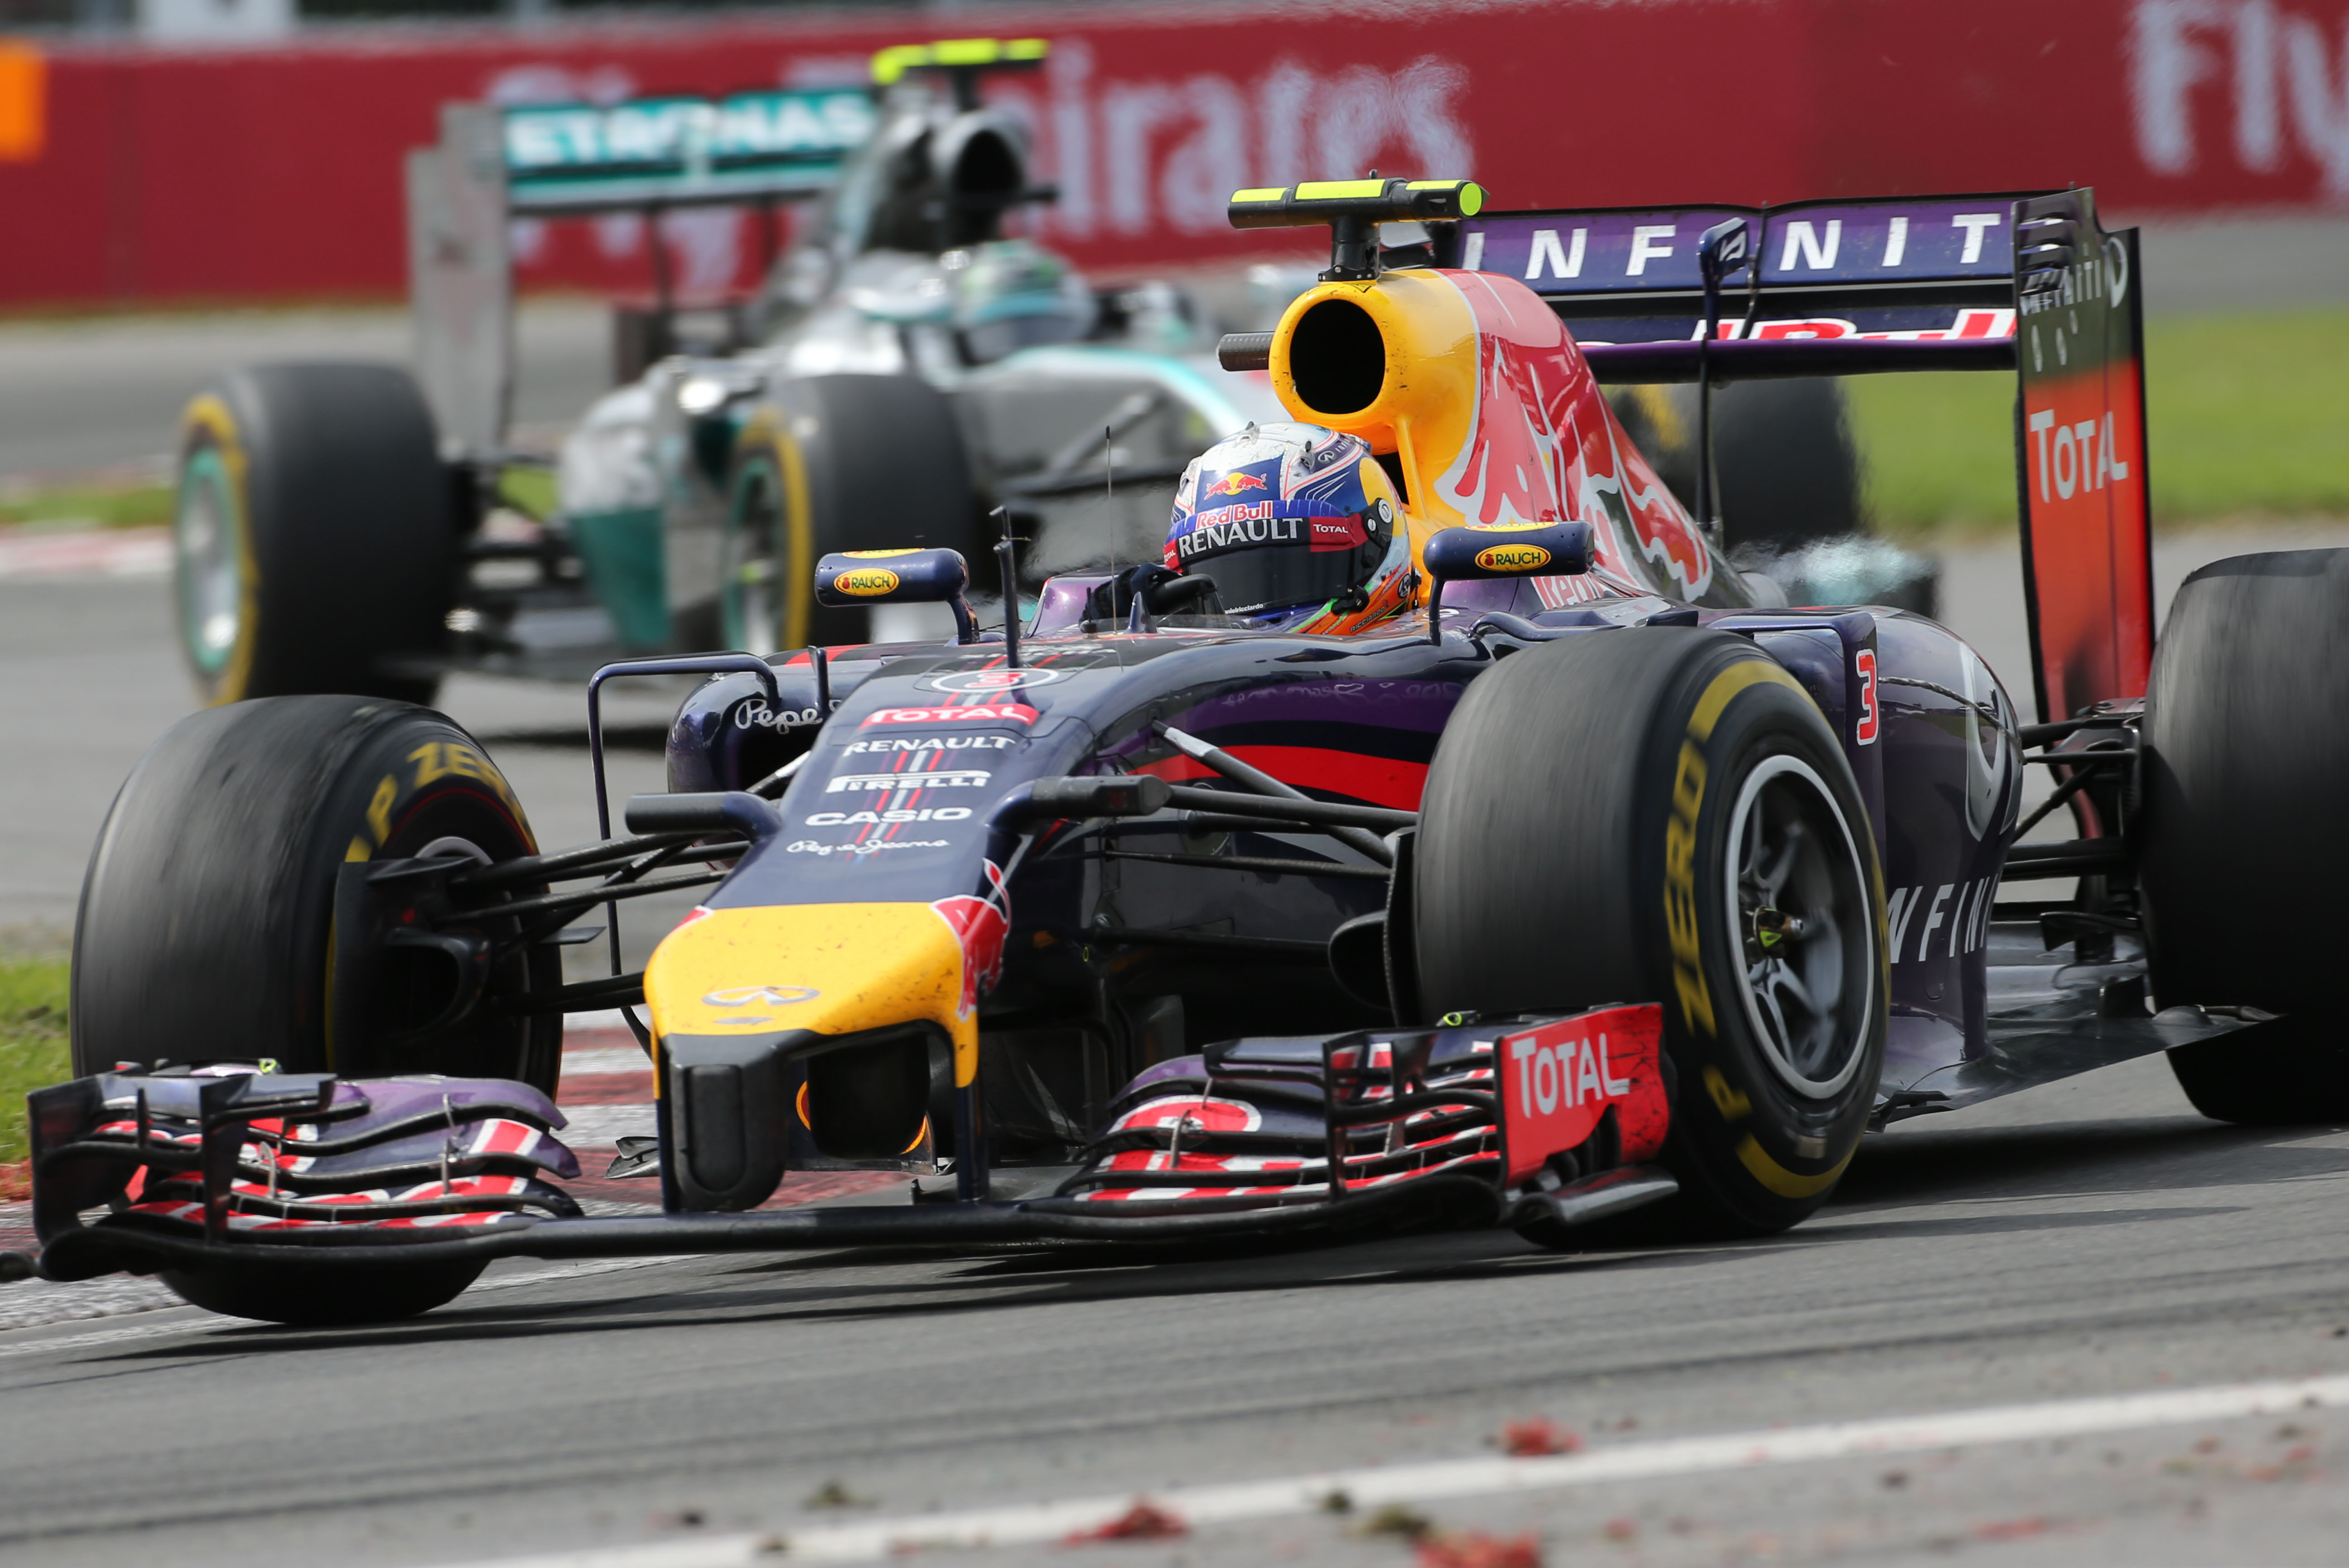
{"points": [[1292, 520], [1013, 294]]}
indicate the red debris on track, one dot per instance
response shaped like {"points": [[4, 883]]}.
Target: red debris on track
{"points": [[1479, 1550], [1534, 1439], [1145, 1521], [2013, 1529]]}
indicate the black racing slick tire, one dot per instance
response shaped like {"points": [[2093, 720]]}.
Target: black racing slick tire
{"points": [[304, 1296], [828, 463], [207, 927], [316, 535], [1664, 814], [2243, 848]]}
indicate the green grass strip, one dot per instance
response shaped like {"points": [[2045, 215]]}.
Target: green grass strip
{"points": [[2247, 414], [33, 1051], [112, 506]]}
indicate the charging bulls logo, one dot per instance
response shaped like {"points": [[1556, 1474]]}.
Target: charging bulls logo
{"points": [[1233, 484], [980, 926], [1542, 446]]}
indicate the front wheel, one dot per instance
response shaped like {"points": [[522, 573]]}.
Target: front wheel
{"points": [[208, 928], [1664, 814], [301, 1294]]}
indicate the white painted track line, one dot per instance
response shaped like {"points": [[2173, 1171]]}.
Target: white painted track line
{"points": [[87, 552], [1040, 1522]]}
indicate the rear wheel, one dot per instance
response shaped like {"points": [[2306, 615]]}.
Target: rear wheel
{"points": [[315, 534], [2243, 850], [1705, 848], [207, 929], [836, 463]]}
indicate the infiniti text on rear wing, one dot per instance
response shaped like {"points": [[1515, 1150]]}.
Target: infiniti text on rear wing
{"points": [[2025, 280], [1918, 271]]}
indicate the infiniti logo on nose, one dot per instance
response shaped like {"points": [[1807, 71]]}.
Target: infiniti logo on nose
{"points": [[764, 995]]}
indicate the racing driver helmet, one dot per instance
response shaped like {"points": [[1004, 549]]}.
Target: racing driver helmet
{"points": [[1298, 524], [1010, 295]]}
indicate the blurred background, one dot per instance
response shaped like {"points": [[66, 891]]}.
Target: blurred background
{"points": [[193, 184]]}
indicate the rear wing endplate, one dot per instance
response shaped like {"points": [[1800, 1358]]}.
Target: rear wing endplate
{"points": [[2020, 280]]}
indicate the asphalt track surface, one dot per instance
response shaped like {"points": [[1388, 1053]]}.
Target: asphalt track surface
{"points": [[2092, 1238], [78, 395], [2096, 1238]]}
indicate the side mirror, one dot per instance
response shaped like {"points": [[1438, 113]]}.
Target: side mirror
{"points": [[1502, 550], [853, 578], [727, 811]]}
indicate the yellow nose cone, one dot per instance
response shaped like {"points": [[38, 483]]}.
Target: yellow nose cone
{"points": [[835, 969]]}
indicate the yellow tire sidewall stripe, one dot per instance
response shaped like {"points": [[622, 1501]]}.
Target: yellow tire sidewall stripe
{"points": [[1688, 966], [208, 415], [1784, 1182]]}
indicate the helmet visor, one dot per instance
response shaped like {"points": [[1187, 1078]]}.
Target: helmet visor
{"points": [[1309, 555]]}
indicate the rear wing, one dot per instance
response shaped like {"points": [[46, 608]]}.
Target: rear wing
{"points": [[2023, 281], [566, 158], [493, 164]]}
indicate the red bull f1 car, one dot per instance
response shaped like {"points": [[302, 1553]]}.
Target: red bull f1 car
{"points": [[1441, 833]]}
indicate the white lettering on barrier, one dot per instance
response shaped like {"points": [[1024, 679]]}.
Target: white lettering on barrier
{"points": [[2283, 73]]}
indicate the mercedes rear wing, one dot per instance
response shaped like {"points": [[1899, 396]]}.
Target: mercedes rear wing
{"points": [[2026, 281], [572, 159], [542, 160], [494, 164]]}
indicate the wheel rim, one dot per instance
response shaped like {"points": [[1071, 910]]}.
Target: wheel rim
{"points": [[485, 1042], [749, 583], [208, 546], [1798, 898]]}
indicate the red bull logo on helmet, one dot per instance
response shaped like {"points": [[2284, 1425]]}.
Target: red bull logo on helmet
{"points": [[1234, 482]]}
